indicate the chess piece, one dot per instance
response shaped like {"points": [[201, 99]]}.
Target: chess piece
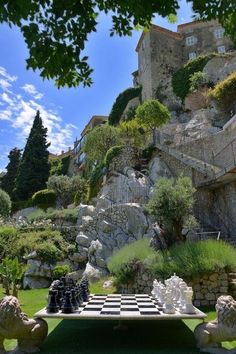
{"points": [[67, 306], [84, 289], [74, 300], [188, 308], [52, 302], [168, 306]]}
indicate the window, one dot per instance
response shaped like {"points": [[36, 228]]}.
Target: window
{"points": [[191, 40], [221, 49], [219, 33], [192, 55]]}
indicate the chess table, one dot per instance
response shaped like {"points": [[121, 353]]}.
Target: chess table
{"points": [[121, 307]]}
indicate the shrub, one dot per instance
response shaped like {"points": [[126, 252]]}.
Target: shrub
{"points": [[132, 133], [111, 153], [11, 271], [194, 258], [8, 235], [5, 204], [65, 188], [95, 180], [224, 92], [121, 102], [44, 199], [198, 80], [60, 271], [48, 244], [138, 250], [181, 79], [172, 204], [82, 191]]}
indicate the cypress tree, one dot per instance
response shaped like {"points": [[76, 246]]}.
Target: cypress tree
{"points": [[9, 179], [34, 167]]}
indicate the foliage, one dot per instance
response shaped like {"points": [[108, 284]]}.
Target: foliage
{"points": [[8, 236], [132, 133], [56, 31], [11, 272], [5, 204], [34, 167], [111, 153], [197, 80], [59, 165], [121, 102], [98, 141], [224, 92], [9, 179], [152, 114], [181, 79], [21, 204], [95, 180], [82, 192], [66, 187], [138, 250], [147, 153], [60, 271], [44, 199], [172, 203], [194, 258], [49, 245], [63, 215]]}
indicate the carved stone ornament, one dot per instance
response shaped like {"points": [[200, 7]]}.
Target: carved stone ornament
{"points": [[210, 335], [14, 324]]}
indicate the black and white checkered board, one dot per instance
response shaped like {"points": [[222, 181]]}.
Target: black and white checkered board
{"points": [[120, 305]]}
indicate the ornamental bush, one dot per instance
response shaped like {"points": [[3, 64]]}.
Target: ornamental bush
{"points": [[121, 102], [199, 79], [225, 92], [44, 199], [181, 79], [5, 204], [111, 153]]}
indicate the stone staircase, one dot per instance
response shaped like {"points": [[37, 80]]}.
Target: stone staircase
{"points": [[232, 284], [208, 170]]}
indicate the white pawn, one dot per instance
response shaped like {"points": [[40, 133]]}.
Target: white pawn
{"points": [[168, 306]]}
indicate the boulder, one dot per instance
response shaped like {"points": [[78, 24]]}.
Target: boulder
{"points": [[94, 273], [157, 169]]}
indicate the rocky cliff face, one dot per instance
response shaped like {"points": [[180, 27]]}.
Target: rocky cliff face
{"points": [[117, 218]]}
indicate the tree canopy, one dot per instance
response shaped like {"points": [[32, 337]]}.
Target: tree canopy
{"points": [[34, 168], [56, 31], [9, 179]]}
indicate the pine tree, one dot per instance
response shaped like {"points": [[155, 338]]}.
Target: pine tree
{"points": [[9, 179], [34, 167]]}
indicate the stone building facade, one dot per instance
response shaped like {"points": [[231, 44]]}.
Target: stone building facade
{"points": [[161, 52]]}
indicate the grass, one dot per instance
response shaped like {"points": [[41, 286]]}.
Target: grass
{"points": [[139, 250], [89, 337]]}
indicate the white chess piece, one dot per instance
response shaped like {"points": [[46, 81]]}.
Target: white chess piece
{"points": [[189, 308], [168, 306]]}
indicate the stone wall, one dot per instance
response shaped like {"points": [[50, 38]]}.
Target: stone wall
{"points": [[127, 157], [207, 288]]}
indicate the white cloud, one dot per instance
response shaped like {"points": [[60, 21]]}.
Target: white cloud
{"points": [[31, 89], [5, 74], [20, 113]]}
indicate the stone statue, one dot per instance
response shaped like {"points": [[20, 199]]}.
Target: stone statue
{"points": [[14, 324], [210, 335]]}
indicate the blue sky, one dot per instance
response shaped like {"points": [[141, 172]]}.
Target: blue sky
{"points": [[66, 111]]}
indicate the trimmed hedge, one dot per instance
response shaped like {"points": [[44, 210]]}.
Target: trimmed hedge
{"points": [[225, 92], [181, 79], [121, 103], [5, 203], [44, 199], [111, 153]]}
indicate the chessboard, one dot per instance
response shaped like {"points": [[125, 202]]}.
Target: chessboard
{"points": [[121, 307]]}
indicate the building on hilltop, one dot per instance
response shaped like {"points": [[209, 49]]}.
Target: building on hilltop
{"points": [[161, 52], [79, 155]]}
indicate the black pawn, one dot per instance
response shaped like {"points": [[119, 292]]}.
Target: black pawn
{"points": [[67, 306], [52, 302], [74, 300]]}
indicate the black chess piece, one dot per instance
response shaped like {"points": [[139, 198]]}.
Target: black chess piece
{"points": [[67, 306], [84, 289], [52, 302], [74, 299]]}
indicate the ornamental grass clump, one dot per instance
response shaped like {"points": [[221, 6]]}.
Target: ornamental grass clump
{"points": [[194, 258], [225, 92]]}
